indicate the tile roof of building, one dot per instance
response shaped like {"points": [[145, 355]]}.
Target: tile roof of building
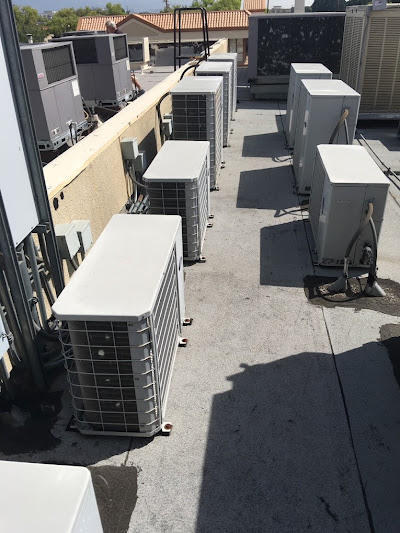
{"points": [[254, 5], [97, 22], [237, 19]]}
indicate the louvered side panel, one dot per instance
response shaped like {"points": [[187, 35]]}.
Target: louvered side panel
{"points": [[346, 49], [317, 189], [202, 184], [218, 135], [352, 46]]}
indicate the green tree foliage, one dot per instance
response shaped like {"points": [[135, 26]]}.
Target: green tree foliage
{"points": [[64, 20], [217, 5], [114, 9], [27, 21], [328, 5]]}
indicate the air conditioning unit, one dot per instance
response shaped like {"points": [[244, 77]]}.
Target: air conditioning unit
{"points": [[345, 180], [124, 308], [197, 114], [321, 106], [371, 57], [54, 498], [225, 70], [103, 68], [182, 189], [54, 96], [232, 57], [299, 72]]}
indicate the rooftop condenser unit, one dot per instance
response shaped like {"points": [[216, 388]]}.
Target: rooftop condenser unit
{"points": [[123, 311], [345, 180], [225, 70], [232, 57], [322, 118], [103, 68], [54, 96], [197, 116], [299, 72], [182, 189], [55, 499], [371, 57]]}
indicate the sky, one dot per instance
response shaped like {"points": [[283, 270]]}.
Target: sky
{"points": [[135, 6]]}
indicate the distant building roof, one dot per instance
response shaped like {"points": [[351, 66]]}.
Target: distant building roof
{"points": [[254, 5], [97, 22], [237, 19]]}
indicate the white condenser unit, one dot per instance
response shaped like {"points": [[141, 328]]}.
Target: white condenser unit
{"points": [[322, 104], [232, 57], [123, 311], [345, 180], [198, 116], [53, 498], [225, 70], [182, 189], [104, 68], [54, 95], [299, 72], [371, 57]]}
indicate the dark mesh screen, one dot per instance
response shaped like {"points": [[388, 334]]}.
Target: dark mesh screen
{"points": [[58, 63], [85, 51], [120, 48]]}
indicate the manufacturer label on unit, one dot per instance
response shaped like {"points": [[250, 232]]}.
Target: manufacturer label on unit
{"points": [[40, 76], [75, 88]]}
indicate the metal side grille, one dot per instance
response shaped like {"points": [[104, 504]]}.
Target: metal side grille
{"points": [[58, 63], [227, 97], [203, 201], [199, 118], [85, 51], [351, 55], [165, 330], [317, 190], [111, 375], [381, 85], [120, 47]]}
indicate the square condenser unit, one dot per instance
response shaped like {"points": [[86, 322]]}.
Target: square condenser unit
{"points": [[103, 68], [225, 70], [321, 106], [232, 57], [345, 180], [54, 95], [182, 189], [299, 72], [123, 309], [198, 116], [54, 498], [371, 57]]}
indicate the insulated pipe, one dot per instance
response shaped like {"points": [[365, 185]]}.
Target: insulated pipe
{"points": [[36, 281], [338, 125]]}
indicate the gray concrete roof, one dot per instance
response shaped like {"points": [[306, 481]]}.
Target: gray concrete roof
{"points": [[286, 414]]}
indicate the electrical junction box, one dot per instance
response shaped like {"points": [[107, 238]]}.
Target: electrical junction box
{"points": [[130, 149], [224, 69], [232, 57], [321, 105], [67, 240], [4, 345], [299, 72], [141, 161], [15, 185], [167, 127], [84, 232], [345, 180], [53, 498], [182, 189], [124, 309], [54, 94]]}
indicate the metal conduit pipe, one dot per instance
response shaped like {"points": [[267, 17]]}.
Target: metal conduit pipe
{"points": [[30, 247]]}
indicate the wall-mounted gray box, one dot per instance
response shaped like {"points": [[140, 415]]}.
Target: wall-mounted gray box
{"points": [[130, 148], [67, 240], [84, 232], [54, 94]]}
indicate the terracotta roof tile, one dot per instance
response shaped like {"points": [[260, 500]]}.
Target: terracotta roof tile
{"points": [[97, 22], [254, 5]]}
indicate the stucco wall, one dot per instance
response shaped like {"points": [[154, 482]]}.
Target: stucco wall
{"points": [[91, 175]]}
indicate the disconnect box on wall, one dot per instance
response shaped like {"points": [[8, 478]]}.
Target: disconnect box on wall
{"points": [[67, 240], [84, 232], [130, 148]]}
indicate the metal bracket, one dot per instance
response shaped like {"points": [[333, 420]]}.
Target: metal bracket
{"points": [[183, 342], [187, 322], [210, 225], [41, 228]]}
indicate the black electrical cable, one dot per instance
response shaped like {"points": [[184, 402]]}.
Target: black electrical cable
{"points": [[158, 109], [190, 67], [372, 270]]}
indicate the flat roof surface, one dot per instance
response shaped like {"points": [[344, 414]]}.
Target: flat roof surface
{"points": [[285, 410], [141, 247], [178, 160]]}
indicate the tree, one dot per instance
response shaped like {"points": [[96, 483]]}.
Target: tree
{"points": [[27, 21], [328, 5], [114, 9], [170, 9], [64, 20], [217, 5]]}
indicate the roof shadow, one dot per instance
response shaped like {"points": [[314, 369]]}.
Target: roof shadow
{"points": [[264, 145], [284, 255], [269, 188]]}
